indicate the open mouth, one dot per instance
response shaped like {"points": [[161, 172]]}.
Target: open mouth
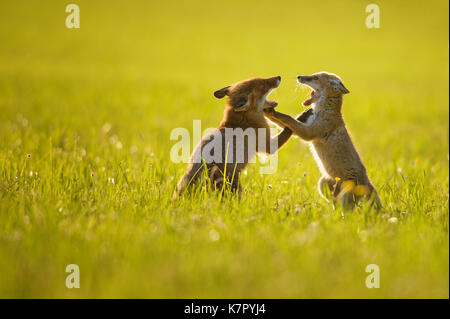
{"points": [[305, 80], [309, 100], [268, 103]]}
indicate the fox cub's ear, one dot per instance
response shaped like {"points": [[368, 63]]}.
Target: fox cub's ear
{"points": [[339, 87], [222, 92], [241, 105]]}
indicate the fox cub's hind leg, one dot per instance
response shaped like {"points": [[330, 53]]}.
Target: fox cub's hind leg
{"points": [[374, 198], [216, 177], [217, 180], [330, 189], [326, 187], [191, 176], [347, 200]]}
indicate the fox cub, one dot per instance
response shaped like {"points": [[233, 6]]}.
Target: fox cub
{"points": [[243, 131], [343, 172]]}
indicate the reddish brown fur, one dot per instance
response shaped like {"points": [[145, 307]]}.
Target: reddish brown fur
{"points": [[244, 109]]}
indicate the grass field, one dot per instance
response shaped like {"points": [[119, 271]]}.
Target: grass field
{"points": [[86, 178]]}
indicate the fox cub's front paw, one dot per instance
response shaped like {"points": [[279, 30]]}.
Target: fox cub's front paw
{"points": [[269, 111]]}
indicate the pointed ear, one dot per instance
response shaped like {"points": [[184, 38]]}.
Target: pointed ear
{"points": [[241, 105], [222, 92], [338, 86]]}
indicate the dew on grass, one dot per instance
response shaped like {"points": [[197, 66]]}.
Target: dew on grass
{"points": [[214, 235], [196, 218], [393, 220], [363, 235], [105, 128], [26, 220], [113, 139], [220, 224]]}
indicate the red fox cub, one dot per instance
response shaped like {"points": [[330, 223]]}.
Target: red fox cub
{"points": [[323, 126], [243, 132]]}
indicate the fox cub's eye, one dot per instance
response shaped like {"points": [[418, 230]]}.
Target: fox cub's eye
{"points": [[315, 77]]}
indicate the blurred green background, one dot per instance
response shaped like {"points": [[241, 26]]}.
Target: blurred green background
{"points": [[85, 174]]}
